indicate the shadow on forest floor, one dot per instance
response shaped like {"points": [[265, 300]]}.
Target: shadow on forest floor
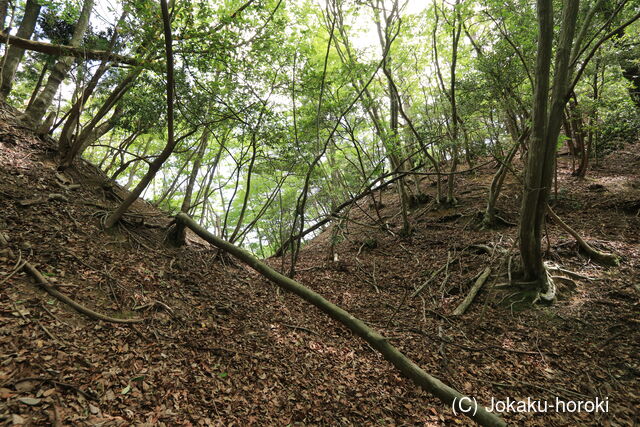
{"points": [[219, 345]]}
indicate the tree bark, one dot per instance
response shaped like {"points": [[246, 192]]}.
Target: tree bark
{"points": [[66, 50], [36, 111], [544, 137], [381, 344], [4, 7], [15, 53], [91, 131], [155, 166]]}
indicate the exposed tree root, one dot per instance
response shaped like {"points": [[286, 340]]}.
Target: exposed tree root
{"points": [[550, 294], [44, 284], [539, 290], [573, 274], [87, 395], [599, 257], [547, 297]]}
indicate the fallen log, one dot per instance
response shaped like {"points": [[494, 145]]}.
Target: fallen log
{"points": [[409, 369], [466, 302]]}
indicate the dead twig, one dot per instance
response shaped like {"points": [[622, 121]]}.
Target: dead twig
{"points": [[16, 269], [570, 273], [479, 349], [154, 303], [221, 351], [431, 278], [472, 293], [53, 315], [404, 298], [86, 394], [49, 334], [300, 328]]}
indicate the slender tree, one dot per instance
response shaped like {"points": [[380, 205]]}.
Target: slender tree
{"points": [[36, 110], [155, 166], [14, 53]]}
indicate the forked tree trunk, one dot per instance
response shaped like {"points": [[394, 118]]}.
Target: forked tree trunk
{"points": [[36, 88], [247, 190], [544, 137], [15, 54], [65, 141], [186, 201], [455, 39], [36, 111], [392, 142], [580, 138], [92, 131]]}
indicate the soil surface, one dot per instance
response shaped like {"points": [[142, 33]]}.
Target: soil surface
{"points": [[219, 345]]}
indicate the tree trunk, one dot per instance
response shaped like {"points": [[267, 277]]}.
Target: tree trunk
{"points": [[392, 138], [544, 137], [489, 217], [155, 166], [38, 85], [36, 111], [88, 133], [177, 237], [455, 39], [247, 191], [14, 54], [65, 141], [186, 201], [100, 130], [4, 7]]}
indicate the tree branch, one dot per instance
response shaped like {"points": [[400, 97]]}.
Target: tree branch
{"points": [[64, 50]]}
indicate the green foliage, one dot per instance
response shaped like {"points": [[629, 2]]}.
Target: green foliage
{"points": [[285, 77]]}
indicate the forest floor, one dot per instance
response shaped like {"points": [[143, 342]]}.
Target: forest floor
{"points": [[220, 345]]}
